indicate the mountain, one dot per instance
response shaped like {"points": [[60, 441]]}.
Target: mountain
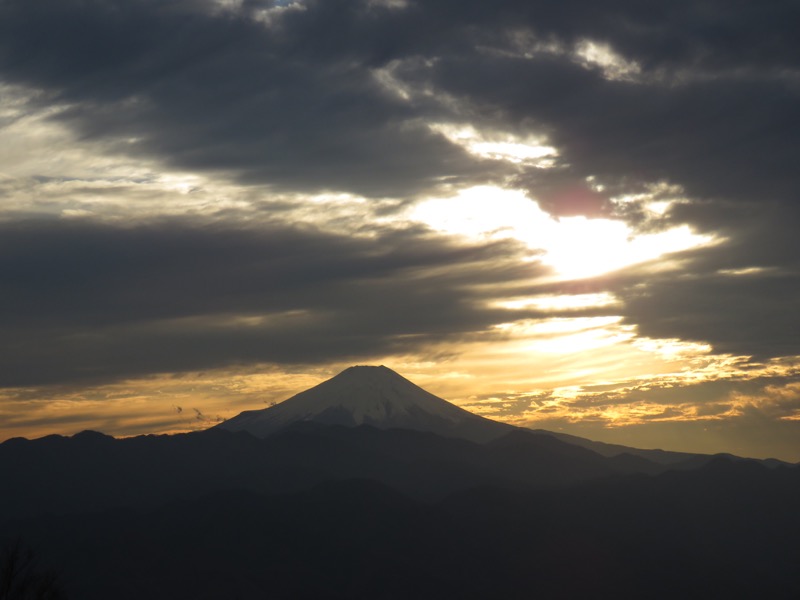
{"points": [[364, 487], [728, 530], [382, 398], [93, 472], [366, 395], [661, 457]]}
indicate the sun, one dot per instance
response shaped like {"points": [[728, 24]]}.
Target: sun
{"points": [[590, 247], [573, 247]]}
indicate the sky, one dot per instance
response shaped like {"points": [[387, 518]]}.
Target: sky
{"points": [[577, 216]]}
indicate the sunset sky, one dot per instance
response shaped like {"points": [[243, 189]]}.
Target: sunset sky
{"points": [[579, 216]]}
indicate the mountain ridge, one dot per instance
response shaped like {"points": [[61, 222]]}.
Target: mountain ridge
{"points": [[308, 510], [370, 395]]}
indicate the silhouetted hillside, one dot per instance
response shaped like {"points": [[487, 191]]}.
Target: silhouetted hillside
{"points": [[451, 506], [728, 530], [91, 471]]}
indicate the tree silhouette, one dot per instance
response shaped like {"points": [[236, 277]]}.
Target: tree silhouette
{"points": [[21, 577]]}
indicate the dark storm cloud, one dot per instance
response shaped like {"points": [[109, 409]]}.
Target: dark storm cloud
{"points": [[87, 301], [717, 138], [748, 313], [739, 294], [297, 105]]}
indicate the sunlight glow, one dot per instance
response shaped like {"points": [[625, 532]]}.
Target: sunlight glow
{"points": [[181, 183], [589, 247], [568, 335], [553, 302], [518, 150], [575, 247], [672, 348], [600, 55], [743, 272]]}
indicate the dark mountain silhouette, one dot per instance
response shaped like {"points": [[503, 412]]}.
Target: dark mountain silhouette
{"points": [[366, 395], [686, 460], [329, 506], [91, 471], [728, 530], [380, 397], [662, 457]]}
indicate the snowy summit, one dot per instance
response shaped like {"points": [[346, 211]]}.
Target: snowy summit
{"points": [[367, 395]]}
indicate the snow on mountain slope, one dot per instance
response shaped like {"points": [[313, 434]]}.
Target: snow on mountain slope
{"points": [[366, 395]]}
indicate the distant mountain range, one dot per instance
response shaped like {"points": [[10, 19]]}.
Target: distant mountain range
{"points": [[382, 398], [367, 486]]}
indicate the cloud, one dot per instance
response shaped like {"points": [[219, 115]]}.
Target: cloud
{"points": [[256, 106], [752, 414], [736, 314], [736, 295], [91, 301], [299, 103], [221, 92]]}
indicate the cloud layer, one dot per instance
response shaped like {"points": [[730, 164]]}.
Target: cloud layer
{"points": [[89, 301]]}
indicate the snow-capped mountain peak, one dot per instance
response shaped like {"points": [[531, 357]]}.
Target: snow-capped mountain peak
{"points": [[368, 395]]}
